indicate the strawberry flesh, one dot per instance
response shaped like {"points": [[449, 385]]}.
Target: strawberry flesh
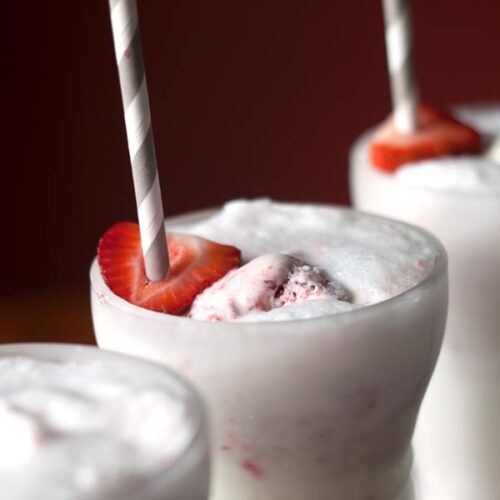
{"points": [[195, 264], [438, 134]]}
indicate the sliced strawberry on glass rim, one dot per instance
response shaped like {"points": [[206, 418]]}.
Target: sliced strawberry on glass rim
{"points": [[438, 134], [195, 264]]}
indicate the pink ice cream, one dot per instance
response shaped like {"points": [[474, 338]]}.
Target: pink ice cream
{"points": [[266, 282]]}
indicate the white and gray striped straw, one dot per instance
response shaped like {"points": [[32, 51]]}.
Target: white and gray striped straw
{"points": [[128, 49], [399, 47]]}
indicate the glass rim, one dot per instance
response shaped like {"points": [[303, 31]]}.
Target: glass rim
{"points": [[163, 472], [439, 268]]}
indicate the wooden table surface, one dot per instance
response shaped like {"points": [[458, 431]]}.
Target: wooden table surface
{"points": [[47, 317]]}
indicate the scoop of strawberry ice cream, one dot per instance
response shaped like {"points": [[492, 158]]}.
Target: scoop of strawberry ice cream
{"points": [[266, 282]]}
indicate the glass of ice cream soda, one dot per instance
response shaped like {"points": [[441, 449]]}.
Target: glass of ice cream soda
{"points": [[311, 330], [80, 423], [446, 179]]}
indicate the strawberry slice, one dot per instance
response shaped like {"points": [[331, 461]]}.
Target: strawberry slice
{"points": [[195, 263], [438, 134]]}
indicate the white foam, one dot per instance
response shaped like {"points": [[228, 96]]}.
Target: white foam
{"points": [[462, 174], [372, 259]]}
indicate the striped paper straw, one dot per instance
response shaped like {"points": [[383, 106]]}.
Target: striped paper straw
{"points": [[398, 40], [128, 49]]}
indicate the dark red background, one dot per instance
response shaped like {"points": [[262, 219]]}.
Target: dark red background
{"points": [[248, 99]]}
